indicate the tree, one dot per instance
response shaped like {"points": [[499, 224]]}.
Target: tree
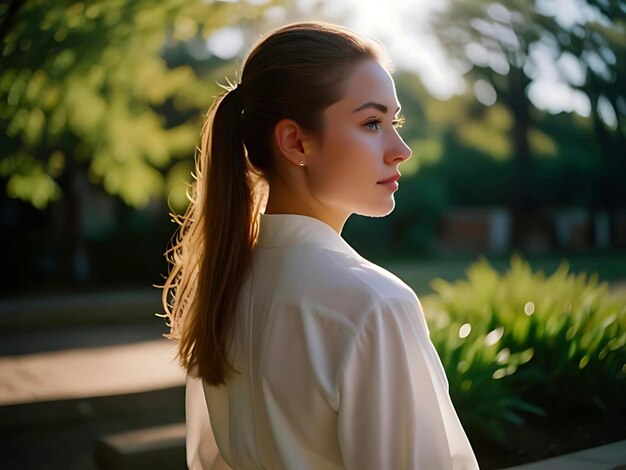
{"points": [[81, 86], [494, 43], [89, 91], [600, 45]]}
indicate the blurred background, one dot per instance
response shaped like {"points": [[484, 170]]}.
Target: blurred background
{"points": [[510, 221]]}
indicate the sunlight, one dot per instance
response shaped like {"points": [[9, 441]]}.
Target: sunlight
{"points": [[226, 43], [89, 372], [403, 29]]}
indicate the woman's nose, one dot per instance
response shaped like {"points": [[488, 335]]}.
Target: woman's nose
{"points": [[399, 150]]}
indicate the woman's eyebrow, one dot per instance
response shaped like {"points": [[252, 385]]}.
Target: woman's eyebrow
{"points": [[370, 104]]}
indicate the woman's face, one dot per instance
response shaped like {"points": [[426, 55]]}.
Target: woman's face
{"points": [[360, 148]]}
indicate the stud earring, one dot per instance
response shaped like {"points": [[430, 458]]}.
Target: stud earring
{"points": [[301, 163]]}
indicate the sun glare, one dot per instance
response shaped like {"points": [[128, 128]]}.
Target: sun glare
{"points": [[403, 29], [403, 26]]}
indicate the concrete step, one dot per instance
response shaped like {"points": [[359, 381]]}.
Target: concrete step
{"points": [[154, 447], [606, 457], [62, 434]]}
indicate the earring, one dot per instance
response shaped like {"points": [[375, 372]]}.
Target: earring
{"points": [[301, 163]]}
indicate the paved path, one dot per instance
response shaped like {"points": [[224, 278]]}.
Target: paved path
{"points": [[63, 387], [89, 372], [21, 341], [103, 307], [84, 345]]}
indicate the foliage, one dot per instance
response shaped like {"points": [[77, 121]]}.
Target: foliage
{"points": [[117, 90], [504, 47], [85, 85], [525, 343], [409, 229], [516, 55]]}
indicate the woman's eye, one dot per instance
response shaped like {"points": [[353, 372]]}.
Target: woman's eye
{"points": [[375, 125]]}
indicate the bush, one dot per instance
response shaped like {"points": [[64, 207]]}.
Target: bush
{"points": [[525, 343]]}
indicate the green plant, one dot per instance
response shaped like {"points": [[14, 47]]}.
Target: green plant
{"points": [[526, 343]]}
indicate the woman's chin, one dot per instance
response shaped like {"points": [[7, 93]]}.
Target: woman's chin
{"points": [[380, 209]]}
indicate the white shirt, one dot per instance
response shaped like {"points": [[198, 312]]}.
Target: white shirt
{"points": [[337, 367]]}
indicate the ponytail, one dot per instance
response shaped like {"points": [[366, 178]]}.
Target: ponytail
{"points": [[211, 253], [294, 72]]}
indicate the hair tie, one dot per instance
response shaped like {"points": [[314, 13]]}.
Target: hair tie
{"points": [[235, 95]]}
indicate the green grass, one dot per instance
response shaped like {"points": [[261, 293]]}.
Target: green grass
{"points": [[418, 273]]}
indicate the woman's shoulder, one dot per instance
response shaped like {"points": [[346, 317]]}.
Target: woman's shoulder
{"points": [[334, 275], [382, 282]]}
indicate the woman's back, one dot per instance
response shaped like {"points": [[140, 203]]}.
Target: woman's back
{"points": [[302, 347]]}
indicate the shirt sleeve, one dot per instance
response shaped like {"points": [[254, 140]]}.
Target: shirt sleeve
{"points": [[201, 448], [395, 410]]}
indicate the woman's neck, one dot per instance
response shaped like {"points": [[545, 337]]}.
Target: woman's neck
{"points": [[283, 200]]}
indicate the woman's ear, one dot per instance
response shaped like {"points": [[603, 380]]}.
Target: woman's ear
{"points": [[292, 142]]}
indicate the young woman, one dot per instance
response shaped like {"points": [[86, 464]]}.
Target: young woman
{"points": [[303, 354]]}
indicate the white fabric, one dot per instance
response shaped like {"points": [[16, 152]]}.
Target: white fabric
{"points": [[336, 367]]}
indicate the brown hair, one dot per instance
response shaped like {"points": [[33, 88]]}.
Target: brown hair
{"points": [[294, 72]]}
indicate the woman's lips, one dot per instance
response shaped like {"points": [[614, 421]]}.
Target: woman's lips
{"points": [[391, 179], [391, 183]]}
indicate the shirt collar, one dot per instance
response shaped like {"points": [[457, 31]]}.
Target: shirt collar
{"points": [[293, 229]]}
